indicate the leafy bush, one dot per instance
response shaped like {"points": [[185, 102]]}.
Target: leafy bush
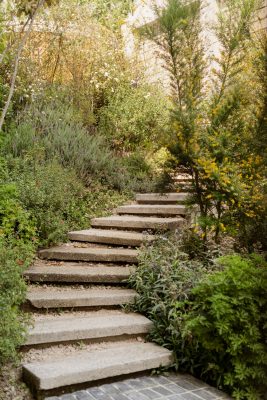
{"points": [[49, 131], [15, 222], [52, 195], [134, 118], [164, 279], [227, 327], [55, 128], [211, 314], [15, 256]]}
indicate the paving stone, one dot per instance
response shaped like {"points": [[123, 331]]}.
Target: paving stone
{"points": [[83, 395], [188, 385], [161, 380], [136, 396], [119, 396], [189, 396], [137, 384], [68, 397], [147, 381], [98, 394], [123, 387], [110, 388], [162, 390], [175, 388], [171, 387], [203, 394], [150, 394]]}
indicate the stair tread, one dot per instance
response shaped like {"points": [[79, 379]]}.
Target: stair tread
{"points": [[138, 222], [110, 236], [69, 297], [152, 209], [137, 218], [99, 254], [74, 272], [161, 198], [96, 364], [93, 325]]}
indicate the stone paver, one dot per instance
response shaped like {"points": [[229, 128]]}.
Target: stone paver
{"points": [[171, 387]]}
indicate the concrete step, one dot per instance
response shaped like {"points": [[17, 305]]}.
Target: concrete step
{"points": [[152, 209], [137, 222], [107, 236], [88, 366], [69, 297], [94, 326], [162, 198], [77, 272], [97, 254]]}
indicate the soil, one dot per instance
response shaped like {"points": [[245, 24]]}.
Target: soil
{"points": [[11, 386]]}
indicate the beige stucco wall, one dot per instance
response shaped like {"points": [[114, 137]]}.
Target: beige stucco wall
{"points": [[145, 51]]}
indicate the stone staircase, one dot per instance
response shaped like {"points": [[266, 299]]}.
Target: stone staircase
{"points": [[81, 333]]}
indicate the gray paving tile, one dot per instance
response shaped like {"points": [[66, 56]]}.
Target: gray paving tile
{"points": [[189, 396], [174, 388], [205, 395], [170, 387], [83, 395], [136, 396], [98, 394], [162, 390], [110, 388], [123, 386], [137, 383], [119, 396], [67, 397], [150, 394], [161, 380], [188, 385]]}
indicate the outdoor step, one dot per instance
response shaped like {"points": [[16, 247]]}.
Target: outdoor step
{"points": [[94, 326], [88, 366], [69, 297], [77, 273], [107, 236], [137, 222], [152, 209], [97, 254], [161, 198]]}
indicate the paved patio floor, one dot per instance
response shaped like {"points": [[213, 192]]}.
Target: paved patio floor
{"points": [[171, 387]]}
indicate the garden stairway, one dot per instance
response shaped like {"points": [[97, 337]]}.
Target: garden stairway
{"points": [[81, 333]]}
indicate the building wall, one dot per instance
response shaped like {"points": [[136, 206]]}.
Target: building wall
{"points": [[146, 52]]}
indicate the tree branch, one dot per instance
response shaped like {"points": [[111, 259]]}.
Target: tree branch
{"points": [[16, 63]]}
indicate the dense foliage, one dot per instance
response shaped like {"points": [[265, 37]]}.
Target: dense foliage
{"points": [[227, 327], [59, 162], [210, 312], [219, 101]]}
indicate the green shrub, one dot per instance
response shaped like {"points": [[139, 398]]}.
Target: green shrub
{"points": [[52, 131], [134, 118], [164, 279], [55, 128], [211, 314], [52, 195], [15, 256], [15, 222], [227, 327]]}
